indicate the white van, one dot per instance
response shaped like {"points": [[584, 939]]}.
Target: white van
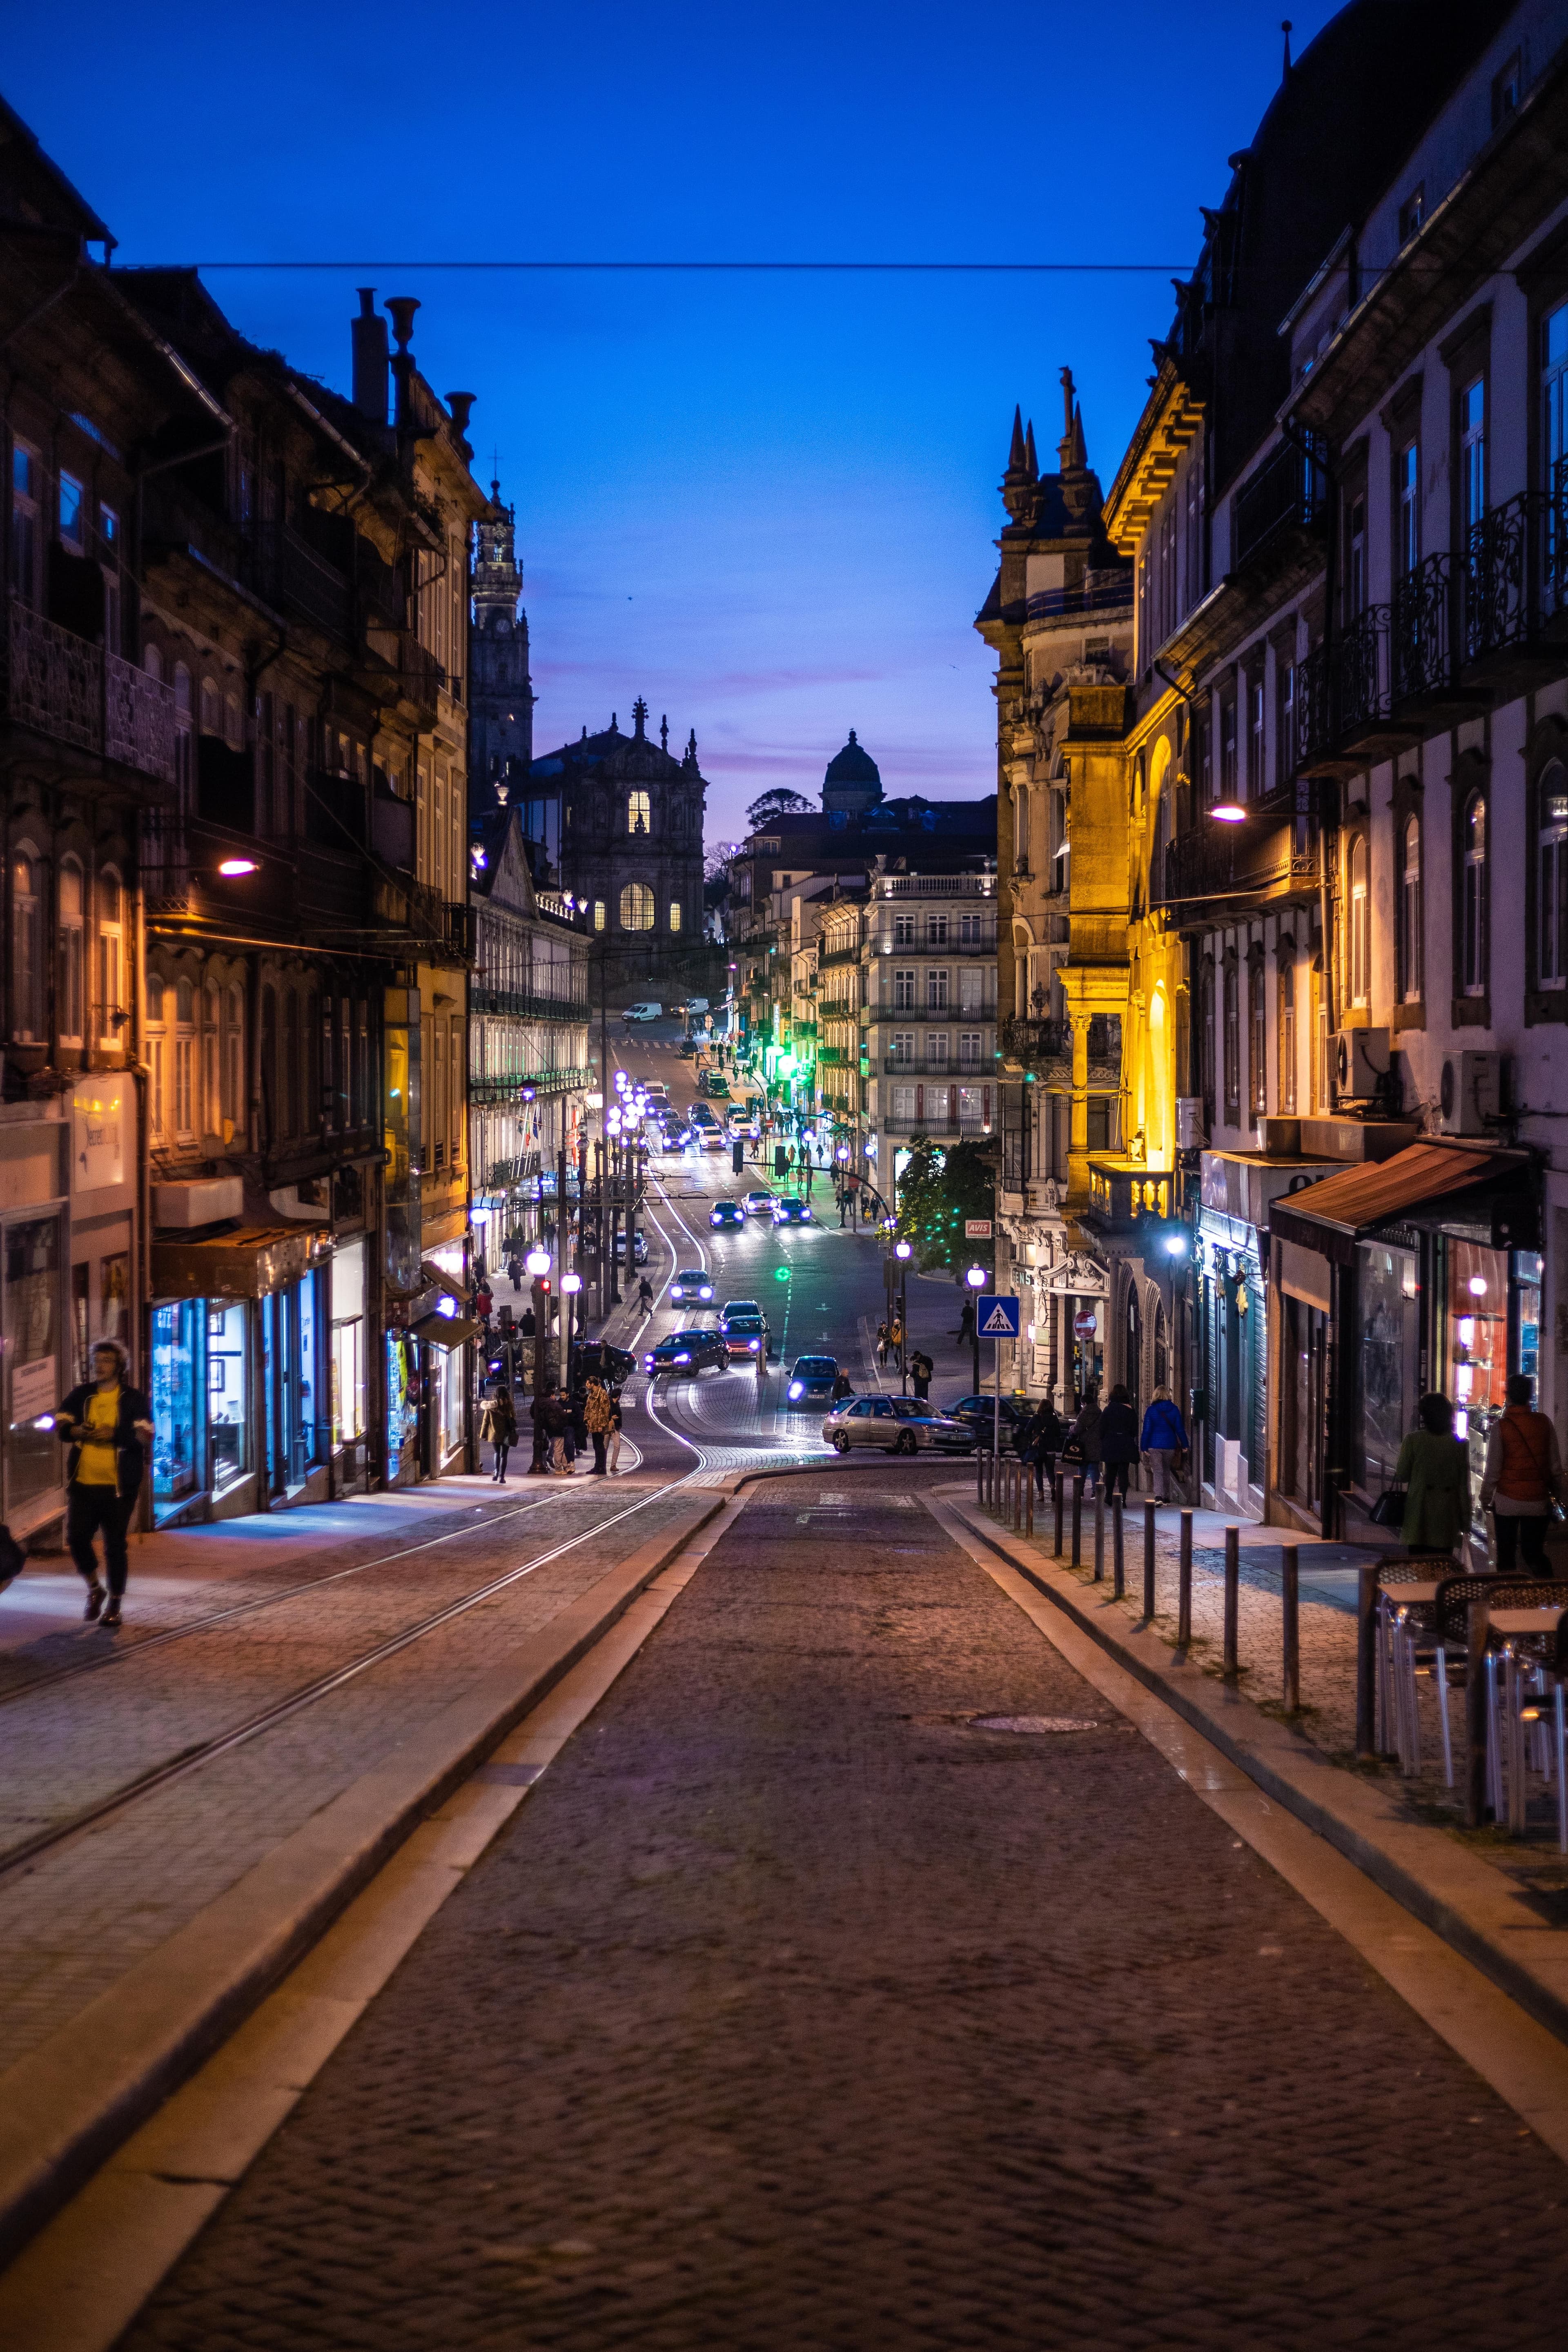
{"points": [[693, 1005], [643, 1013]]}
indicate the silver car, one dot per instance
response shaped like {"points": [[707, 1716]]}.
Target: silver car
{"points": [[897, 1424]]}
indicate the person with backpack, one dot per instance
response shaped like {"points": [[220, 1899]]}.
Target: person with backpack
{"points": [[1163, 1438], [106, 1423], [498, 1426], [921, 1371], [1522, 1478]]}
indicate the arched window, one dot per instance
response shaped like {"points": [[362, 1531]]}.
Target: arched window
{"points": [[598, 914], [1286, 1041], [1473, 897], [111, 954], [71, 1011], [270, 1121], [1208, 1073], [212, 709], [185, 1062], [639, 813], [1021, 826], [152, 662], [233, 1116], [1256, 1039], [1551, 894], [26, 946], [211, 1061], [289, 1109], [675, 914], [1232, 1039], [636, 907], [233, 725], [1411, 927], [1361, 928], [157, 1054]]}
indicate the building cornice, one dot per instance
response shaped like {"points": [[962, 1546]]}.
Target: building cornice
{"points": [[1171, 416]]}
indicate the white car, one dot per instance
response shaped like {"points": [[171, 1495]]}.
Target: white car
{"points": [[649, 1012]]}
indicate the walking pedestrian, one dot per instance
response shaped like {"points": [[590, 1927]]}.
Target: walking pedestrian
{"points": [[1434, 1468], [1083, 1438], [883, 1344], [498, 1426], [1117, 1441], [1522, 1478], [597, 1415], [1043, 1440], [896, 1341], [105, 1422], [922, 1369], [966, 1321], [1163, 1438], [843, 1387], [614, 1450], [644, 1296], [483, 1300], [843, 1204]]}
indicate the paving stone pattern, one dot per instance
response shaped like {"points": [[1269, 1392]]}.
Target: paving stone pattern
{"points": [[792, 2012]]}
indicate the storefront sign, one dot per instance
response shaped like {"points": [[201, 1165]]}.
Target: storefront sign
{"points": [[977, 1229], [34, 1389], [98, 1132]]}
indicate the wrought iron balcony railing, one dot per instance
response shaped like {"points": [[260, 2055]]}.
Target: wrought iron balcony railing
{"points": [[74, 692]]}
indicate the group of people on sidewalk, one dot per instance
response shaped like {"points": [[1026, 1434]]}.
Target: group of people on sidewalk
{"points": [[565, 1421], [1103, 1443], [1521, 1480]]}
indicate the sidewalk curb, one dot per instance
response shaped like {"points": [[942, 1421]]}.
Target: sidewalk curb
{"points": [[1451, 1890], [68, 2104]]}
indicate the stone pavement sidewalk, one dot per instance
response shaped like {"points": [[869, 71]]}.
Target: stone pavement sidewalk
{"points": [[856, 1977]]}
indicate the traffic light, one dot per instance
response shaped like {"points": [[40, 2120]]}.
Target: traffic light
{"points": [[737, 1155]]}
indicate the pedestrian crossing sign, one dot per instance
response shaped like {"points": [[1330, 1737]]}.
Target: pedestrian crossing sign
{"points": [[998, 1318]]}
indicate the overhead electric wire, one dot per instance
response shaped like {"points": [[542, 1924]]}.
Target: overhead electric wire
{"points": [[939, 269]]}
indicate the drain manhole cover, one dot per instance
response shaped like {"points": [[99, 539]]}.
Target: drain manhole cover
{"points": [[1037, 1723]]}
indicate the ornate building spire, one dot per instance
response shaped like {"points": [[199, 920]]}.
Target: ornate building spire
{"points": [[639, 719], [1018, 482]]}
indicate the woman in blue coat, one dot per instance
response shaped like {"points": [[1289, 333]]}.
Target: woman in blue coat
{"points": [[1164, 1437]]}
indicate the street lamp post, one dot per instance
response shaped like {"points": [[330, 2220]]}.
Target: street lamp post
{"points": [[571, 1284], [975, 1279], [538, 1263], [902, 1252]]}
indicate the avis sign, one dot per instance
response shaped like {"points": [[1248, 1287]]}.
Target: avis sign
{"points": [[997, 1317], [977, 1229]]}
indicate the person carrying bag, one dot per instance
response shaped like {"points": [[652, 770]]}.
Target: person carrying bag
{"points": [[1522, 1480]]}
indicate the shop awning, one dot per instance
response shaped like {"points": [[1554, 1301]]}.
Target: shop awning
{"points": [[444, 1330], [447, 1282], [1332, 1216], [251, 1262]]}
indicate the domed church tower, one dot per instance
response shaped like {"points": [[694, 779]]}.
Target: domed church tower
{"points": [[853, 783]]}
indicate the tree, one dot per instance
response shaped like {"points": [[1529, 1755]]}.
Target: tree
{"points": [[938, 1191], [779, 802]]}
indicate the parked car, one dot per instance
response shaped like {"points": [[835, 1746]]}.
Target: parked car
{"points": [[811, 1381], [687, 1352], [788, 1210], [759, 1201], [896, 1425], [691, 1285], [713, 1085], [745, 1330], [978, 1413], [730, 1214]]}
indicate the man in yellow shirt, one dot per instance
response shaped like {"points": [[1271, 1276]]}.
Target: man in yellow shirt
{"points": [[105, 1423]]}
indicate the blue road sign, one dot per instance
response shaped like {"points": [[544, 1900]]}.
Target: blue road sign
{"points": [[998, 1317]]}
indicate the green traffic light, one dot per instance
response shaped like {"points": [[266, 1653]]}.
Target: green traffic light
{"points": [[780, 1273]]}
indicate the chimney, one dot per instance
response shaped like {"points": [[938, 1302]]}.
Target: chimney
{"points": [[401, 308], [369, 336], [460, 403]]}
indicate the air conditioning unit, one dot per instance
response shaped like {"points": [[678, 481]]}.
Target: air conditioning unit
{"points": [[1470, 1093], [1359, 1059], [1192, 1133]]}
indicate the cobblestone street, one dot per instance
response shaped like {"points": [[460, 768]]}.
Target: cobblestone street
{"points": [[797, 2007]]}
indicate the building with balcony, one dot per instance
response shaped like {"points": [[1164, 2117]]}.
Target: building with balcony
{"points": [[927, 1023]]}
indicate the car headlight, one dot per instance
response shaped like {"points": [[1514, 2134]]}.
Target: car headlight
{"points": [[648, 1363], [751, 1344], [796, 1389], [683, 1359], [806, 1217], [706, 1292]]}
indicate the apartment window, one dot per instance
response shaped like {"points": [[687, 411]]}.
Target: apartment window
{"points": [[636, 907], [1408, 484], [70, 1012], [1552, 901], [73, 512], [1284, 718], [212, 716], [231, 1119], [1254, 768], [1232, 1040], [1555, 446], [1286, 1041], [675, 914], [1356, 559], [185, 1062], [1209, 1070], [639, 813], [1256, 1038], [598, 914], [969, 1045], [1506, 88], [157, 1046], [1473, 453], [26, 946], [1361, 932], [1203, 757], [936, 991], [936, 1047], [26, 475], [903, 931], [903, 1044], [1411, 934], [903, 992], [1473, 897], [1227, 779], [212, 1062], [970, 931], [936, 927], [111, 954], [1411, 213]]}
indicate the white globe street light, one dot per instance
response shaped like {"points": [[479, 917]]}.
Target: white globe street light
{"points": [[571, 1284], [976, 1277], [903, 1249], [538, 1263]]}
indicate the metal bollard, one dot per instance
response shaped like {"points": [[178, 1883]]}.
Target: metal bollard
{"points": [[1117, 1554], [1475, 1804], [1366, 1660], [1185, 1584], [1291, 1595], [1020, 1474], [1029, 1499], [1077, 1560], [1232, 1600], [1148, 1563], [979, 1479], [1058, 1509], [1100, 1528]]}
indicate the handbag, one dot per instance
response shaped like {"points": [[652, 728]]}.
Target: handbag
{"points": [[1388, 1511]]}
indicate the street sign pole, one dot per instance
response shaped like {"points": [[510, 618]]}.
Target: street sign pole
{"points": [[996, 1320]]}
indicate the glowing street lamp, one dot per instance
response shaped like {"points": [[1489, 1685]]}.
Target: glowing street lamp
{"points": [[233, 866], [571, 1284], [1228, 813], [976, 1277], [538, 1263]]}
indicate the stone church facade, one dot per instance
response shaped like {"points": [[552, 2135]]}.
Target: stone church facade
{"points": [[627, 831]]}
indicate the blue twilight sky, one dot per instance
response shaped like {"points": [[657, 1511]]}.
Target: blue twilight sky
{"points": [[766, 503]]}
